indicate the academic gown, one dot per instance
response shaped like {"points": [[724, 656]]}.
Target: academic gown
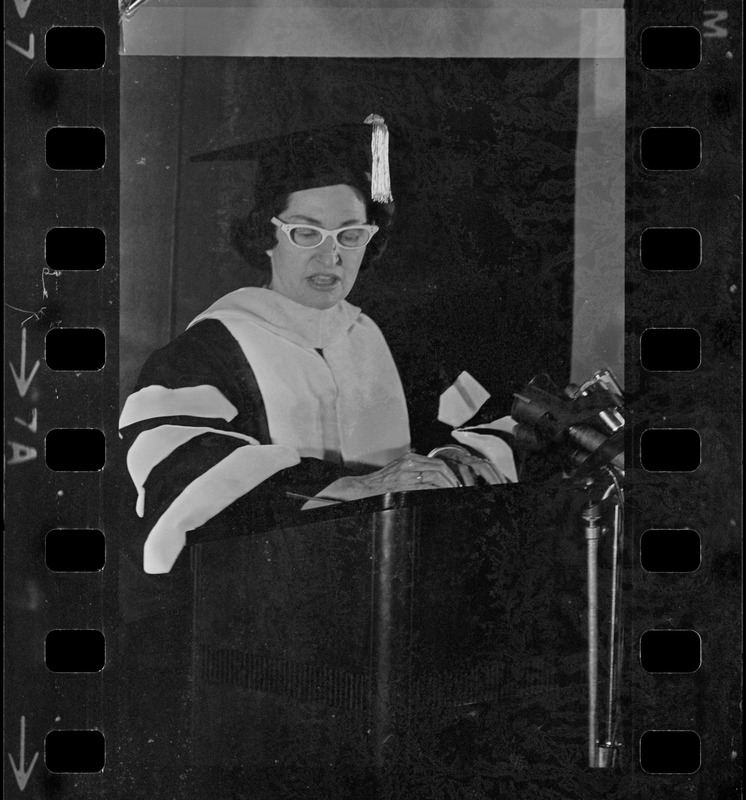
{"points": [[258, 397]]}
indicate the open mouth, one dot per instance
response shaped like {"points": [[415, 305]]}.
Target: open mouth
{"points": [[324, 280]]}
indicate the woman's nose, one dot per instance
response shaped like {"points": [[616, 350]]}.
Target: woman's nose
{"points": [[329, 247]]}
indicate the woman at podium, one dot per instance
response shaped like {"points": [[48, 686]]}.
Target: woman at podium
{"points": [[286, 389]]}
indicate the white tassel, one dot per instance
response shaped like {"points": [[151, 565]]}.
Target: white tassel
{"points": [[380, 180]]}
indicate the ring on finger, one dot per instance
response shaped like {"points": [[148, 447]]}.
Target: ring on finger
{"points": [[419, 477]]}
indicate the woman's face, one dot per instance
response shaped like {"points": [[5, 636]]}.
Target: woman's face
{"points": [[318, 277]]}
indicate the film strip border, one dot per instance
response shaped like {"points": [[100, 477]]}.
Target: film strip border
{"points": [[682, 294], [683, 336], [61, 324]]}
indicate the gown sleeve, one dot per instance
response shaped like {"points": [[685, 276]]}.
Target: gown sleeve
{"points": [[197, 441]]}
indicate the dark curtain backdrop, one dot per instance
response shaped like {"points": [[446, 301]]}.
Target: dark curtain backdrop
{"points": [[478, 273]]}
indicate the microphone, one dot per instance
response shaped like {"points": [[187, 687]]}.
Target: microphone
{"points": [[584, 423]]}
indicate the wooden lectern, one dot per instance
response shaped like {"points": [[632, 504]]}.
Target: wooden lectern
{"points": [[355, 645]]}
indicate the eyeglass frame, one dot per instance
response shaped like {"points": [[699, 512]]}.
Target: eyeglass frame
{"points": [[288, 227]]}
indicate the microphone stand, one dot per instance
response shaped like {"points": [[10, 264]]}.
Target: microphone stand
{"points": [[589, 418], [591, 516], [602, 752]]}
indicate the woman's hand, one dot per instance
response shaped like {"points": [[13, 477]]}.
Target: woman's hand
{"points": [[410, 472], [446, 468], [468, 466]]}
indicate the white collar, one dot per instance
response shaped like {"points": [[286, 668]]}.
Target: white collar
{"points": [[308, 327]]}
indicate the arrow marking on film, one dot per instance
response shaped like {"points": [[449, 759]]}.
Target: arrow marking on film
{"points": [[22, 775], [22, 380], [29, 53], [22, 7]]}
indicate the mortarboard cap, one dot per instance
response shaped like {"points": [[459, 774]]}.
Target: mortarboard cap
{"points": [[318, 157]]}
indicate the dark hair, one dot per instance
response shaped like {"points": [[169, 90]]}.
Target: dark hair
{"points": [[253, 235]]}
